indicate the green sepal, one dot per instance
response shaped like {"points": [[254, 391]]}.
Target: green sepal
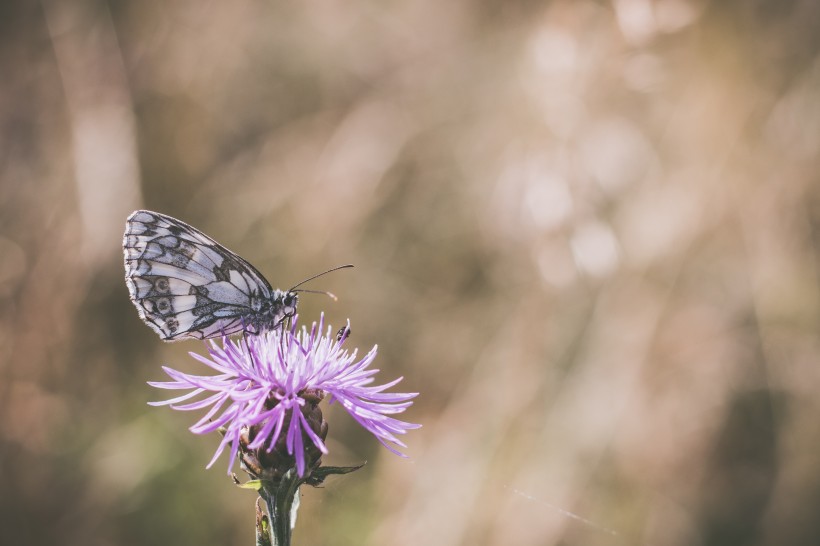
{"points": [[256, 485], [318, 476]]}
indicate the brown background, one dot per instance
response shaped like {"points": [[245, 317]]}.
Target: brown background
{"points": [[586, 232]]}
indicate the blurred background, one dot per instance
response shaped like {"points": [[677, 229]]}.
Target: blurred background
{"points": [[585, 231]]}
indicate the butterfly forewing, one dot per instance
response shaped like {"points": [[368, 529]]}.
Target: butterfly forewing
{"points": [[184, 284]]}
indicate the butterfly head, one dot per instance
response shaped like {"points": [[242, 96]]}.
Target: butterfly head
{"points": [[280, 307], [289, 302]]}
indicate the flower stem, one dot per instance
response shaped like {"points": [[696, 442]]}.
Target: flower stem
{"points": [[282, 501]]}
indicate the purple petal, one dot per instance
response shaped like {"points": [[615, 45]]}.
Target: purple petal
{"points": [[284, 363]]}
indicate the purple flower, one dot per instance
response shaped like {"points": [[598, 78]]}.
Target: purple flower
{"points": [[262, 379]]}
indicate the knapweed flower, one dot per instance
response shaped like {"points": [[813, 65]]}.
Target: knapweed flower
{"points": [[265, 395]]}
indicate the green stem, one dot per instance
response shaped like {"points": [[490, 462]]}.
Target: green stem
{"points": [[280, 503]]}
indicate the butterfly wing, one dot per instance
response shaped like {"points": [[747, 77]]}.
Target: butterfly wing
{"points": [[184, 284]]}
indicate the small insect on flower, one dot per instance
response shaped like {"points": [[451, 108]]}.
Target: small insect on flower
{"points": [[266, 393], [185, 285]]}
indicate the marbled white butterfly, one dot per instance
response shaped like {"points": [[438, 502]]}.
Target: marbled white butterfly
{"points": [[185, 285]]}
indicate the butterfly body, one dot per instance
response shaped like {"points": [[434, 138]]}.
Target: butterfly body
{"points": [[185, 285]]}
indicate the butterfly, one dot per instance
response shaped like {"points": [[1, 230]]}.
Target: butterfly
{"points": [[185, 285]]}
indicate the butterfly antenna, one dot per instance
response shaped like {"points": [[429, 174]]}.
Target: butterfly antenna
{"points": [[331, 295], [319, 275]]}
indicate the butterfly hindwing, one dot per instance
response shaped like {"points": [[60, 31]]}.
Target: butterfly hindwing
{"points": [[186, 285]]}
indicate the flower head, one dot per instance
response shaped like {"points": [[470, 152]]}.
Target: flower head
{"points": [[266, 392]]}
